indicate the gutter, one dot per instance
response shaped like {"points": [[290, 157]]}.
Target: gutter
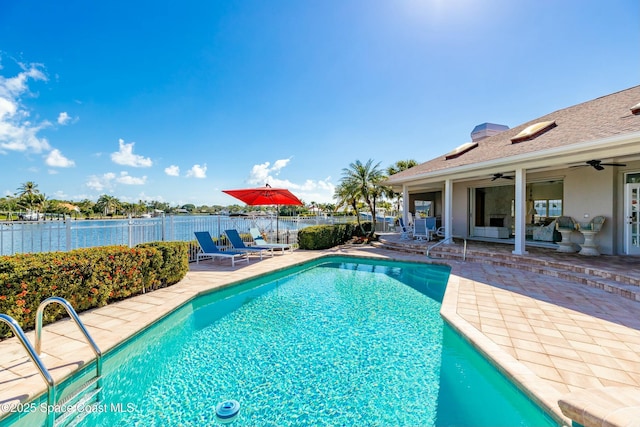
{"points": [[609, 143]]}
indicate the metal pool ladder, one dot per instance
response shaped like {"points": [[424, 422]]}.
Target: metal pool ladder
{"points": [[81, 396]]}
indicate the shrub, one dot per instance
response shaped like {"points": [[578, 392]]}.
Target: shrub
{"points": [[87, 278], [174, 262], [324, 236]]}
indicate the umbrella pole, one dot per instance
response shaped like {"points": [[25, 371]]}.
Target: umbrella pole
{"points": [[277, 224]]}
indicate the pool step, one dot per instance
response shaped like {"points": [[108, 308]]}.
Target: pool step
{"points": [[83, 396], [616, 282]]}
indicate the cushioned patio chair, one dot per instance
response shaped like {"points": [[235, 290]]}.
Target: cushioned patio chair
{"points": [[208, 249], [238, 244], [566, 226], [260, 242]]}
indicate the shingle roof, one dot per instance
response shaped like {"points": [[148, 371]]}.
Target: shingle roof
{"points": [[599, 118]]}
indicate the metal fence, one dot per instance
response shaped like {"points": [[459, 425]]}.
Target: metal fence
{"points": [[68, 234]]}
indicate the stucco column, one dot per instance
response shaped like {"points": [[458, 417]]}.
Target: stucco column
{"points": [[521, 212], [405, 204], [448, 209]]}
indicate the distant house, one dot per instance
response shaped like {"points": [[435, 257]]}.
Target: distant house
{"points": [[507, 184]]}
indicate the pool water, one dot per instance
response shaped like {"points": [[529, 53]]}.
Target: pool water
{"points": [[348, 343]]}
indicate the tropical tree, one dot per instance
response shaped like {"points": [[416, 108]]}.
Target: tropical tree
{"points": [[107, 204], [29, 195], [346, 195], [9, 204], [364, 181], [399, 166]]}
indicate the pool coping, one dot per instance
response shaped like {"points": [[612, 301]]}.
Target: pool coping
{"points": [[527, 381], [113, 324]]}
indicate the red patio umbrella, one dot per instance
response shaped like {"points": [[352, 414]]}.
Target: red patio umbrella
{"points": [[266, 196]]}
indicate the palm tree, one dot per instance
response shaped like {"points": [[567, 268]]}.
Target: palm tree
{"points": [[28, 195], [108, 204], [400, 166], [363, 181], [346, 195], [395, 168]]}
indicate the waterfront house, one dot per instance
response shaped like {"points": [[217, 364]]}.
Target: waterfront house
{"points": [[505, 185]]}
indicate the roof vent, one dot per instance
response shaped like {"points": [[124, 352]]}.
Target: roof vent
{"points": [[636, 109], [486, 130], [533, 131], [459, 151]]}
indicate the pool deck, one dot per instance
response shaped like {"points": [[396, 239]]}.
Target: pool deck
{"points": [[559, 340]]}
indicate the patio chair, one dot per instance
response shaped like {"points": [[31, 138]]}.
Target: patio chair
{"points": [[404, 231], [209, 249], [260, 242], [432, 229], [238, 244], [589, 231], [566, 226], [420, 230]]}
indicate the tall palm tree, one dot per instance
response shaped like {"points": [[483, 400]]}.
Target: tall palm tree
{"points": [[364, 181], [395, 168], [346, 195], [28, 195], [108, 204]]}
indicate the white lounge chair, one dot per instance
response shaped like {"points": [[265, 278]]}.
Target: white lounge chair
{"points": [[259, 241], [210, 250]]}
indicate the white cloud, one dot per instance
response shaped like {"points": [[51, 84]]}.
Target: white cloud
{"points": [[63, 118], [17, 132], [172, 170], [262, 174], [127, 179], [100, 183], [124, 156], [320, 191], [197, 171], [57, 160]]}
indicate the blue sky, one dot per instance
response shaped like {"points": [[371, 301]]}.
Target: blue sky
{"points": [[177, 101]]}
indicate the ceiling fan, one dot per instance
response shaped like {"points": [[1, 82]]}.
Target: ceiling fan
{"points": [[500, 175], [598, 165]]}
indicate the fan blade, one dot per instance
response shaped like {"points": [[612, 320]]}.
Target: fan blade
{"points": [[612, 164]]}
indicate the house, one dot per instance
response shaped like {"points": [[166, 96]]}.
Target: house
{"points": [[506, 184]]}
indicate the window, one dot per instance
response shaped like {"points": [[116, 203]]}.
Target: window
{"points": [[533, 131], [547, 209], [423, 208]]}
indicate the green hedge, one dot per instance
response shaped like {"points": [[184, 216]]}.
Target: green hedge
{"points": [[325, 236], [87, 278]]}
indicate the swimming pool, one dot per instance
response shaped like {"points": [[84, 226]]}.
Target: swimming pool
{"points": [[334, 342]]}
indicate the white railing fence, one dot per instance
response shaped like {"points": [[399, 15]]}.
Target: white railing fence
{"points": [[67, 234]]}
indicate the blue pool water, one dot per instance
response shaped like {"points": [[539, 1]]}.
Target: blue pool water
{"points": [[343, 343]]}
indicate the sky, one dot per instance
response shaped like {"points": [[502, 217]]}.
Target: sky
{"points": [[176, 101]]}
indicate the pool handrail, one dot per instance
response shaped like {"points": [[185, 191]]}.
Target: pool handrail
{"points": [[72, 313], [450, 238], [35, 358]]}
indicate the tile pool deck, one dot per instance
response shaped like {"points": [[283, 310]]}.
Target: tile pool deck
{"points": [[552, 336]]}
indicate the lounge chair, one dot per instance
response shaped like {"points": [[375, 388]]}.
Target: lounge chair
{"points": [[404, 231], [208, 249], [238, 244], [259, 241], [420, 230]]}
